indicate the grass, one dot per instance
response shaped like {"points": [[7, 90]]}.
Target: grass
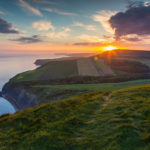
{"points": [[82, 123], [51, 126], [51, 70], [106, 70], [86, 67], [123, 124], [145, 61], [46, 95], [96, 87]]}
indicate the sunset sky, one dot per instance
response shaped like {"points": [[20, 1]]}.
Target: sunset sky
{"points": [[58, 26]]}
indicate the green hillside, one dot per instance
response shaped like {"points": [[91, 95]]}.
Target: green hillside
{"points": [[46, 91], [94, 121], [66, 68], [113, 63], [52, 70], [94, 87]]}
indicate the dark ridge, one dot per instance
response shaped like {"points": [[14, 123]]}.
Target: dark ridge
{"points": [[126, 53]]}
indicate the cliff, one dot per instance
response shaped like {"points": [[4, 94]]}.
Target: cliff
{"points": [[29, 94], [19, 97]]}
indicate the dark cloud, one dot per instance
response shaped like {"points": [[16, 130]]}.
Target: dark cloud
{"points": [[80, 44], [134, 39], [88, 44], [135, 20], [131, 3], [7, 28], [28, 40]]}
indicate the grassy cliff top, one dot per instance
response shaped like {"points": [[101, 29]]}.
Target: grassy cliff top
{"points": [[118, 121]]}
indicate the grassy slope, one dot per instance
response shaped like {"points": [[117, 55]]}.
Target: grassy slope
{"points": [[51, 126], [102, 66], [92, 121], [50, 70], [86, 68], [95, 87], [47, 93]]}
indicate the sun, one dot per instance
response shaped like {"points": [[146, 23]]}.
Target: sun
{"points": [[109, 48]]}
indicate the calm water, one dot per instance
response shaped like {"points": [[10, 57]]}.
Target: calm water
{"points": [[9, 67]]}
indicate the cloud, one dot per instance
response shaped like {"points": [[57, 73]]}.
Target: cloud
{"points": [[103, 17], [135, 20], [43, 25], [44, 2], [2, 13], [59, 12], [89, 44], [90, 27], [146, 4], [89, 38], [28, 7], [7, 28], [93, 40], [61, 34], [133, 39], [28, 40], [87, 27]]}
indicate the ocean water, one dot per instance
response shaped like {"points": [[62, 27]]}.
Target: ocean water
{"points": [[9, 67]]}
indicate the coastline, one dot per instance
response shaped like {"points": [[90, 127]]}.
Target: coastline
{"points": [[12, 101]]}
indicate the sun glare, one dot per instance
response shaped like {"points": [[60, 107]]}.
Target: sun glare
{"points": [[109, 48]]}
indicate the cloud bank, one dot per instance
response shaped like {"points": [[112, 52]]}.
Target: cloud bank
{"points": [[89, 44], [135, 20], [7, 28], [28, 40]]}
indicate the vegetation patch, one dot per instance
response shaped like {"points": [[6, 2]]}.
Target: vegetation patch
{"points": [[86, 67]]}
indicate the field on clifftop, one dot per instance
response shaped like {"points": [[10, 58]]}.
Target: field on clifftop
{"points": [[111, 63]]}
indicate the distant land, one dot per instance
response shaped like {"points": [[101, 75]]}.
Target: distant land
{"points": [[111, 63]]}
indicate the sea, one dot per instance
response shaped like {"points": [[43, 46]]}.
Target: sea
{"points": [[11, 66]]}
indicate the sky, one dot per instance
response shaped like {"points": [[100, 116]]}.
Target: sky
{"points": [[73, 26]]}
